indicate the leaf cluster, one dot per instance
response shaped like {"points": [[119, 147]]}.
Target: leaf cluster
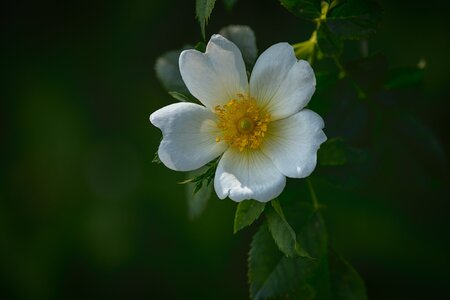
{"points": [[290, 255]]}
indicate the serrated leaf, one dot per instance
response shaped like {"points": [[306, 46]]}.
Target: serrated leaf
{"points": [[197, 201], [309, 227], [168, 72], [306, 9], [203, 10], [247, 212], [245, 40], [329, 44], [354, 19], [282, 232], [346, 284], [316, 286], [156, 158], [271, 273]]}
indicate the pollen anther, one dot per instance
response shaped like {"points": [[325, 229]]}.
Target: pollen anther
{"points": [[242, 123]]}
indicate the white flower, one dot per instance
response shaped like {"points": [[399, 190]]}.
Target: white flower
{"points": [[260, 127]]}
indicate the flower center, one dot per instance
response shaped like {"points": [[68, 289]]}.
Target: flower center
{"points": [[246, 125], [242, 123]]}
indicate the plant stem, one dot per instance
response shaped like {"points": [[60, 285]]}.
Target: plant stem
{"points": [[312, 192], [342, 72]]}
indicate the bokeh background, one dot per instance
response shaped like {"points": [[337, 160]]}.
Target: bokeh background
{"points": [[84, 214]]}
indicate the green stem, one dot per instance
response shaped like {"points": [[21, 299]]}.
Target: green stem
{"points": [[342, 72], [312, 192]]}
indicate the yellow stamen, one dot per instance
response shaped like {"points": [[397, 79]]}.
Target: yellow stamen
{"points": [[243, 124]]}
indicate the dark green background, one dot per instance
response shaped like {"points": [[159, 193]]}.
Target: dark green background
{"points": [[85, 214]]}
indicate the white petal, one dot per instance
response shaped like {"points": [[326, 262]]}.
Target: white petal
{"points": [[282, 84], [248, 175], [216, 76], [189, 132], [292, 143]]}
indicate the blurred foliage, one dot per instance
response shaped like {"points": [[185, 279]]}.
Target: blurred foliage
{"points": [[85, 214]]}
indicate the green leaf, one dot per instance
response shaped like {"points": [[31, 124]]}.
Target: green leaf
{"points": [[200, 46], [317, 285], [354, 19], [343, 166], [309, 226], [335, 152], [346, 284], [204, 175], [306, 9], [168, 72], [332, 153], [271, 273], [329, 44], [156, 159], [203, 9], [282, 232], [244, 38], [179, 96], [197, 201], [247, 212], [369, 72], [404, 78]]}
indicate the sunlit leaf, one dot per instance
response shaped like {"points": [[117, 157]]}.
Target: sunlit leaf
{"points": [[247, 212], [179, 96], [203, 10]]}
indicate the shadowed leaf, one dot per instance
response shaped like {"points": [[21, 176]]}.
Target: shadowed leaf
{"points": [[247, 212], [354, 19]]}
